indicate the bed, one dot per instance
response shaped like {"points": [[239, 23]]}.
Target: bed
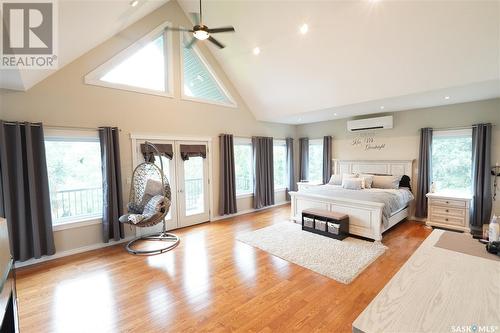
{"points": [[371, 211]]}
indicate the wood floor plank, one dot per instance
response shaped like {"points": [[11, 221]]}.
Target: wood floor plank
{"points": [[209, 283]]}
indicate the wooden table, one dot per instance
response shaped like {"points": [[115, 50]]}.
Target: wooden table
{"points": [[437, 290]]}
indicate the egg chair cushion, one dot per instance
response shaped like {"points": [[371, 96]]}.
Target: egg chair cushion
{"points": [[153, 187], [155, 208]]}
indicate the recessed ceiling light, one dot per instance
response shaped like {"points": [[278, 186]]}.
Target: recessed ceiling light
{"points": [[382, 107], [446, 97], [334, 114], [134, 3], [256, 51], [304, 28]]}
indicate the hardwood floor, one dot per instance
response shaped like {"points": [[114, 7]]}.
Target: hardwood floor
{"points": [[210, 282]]}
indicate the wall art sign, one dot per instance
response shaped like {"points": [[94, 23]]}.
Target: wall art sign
{"points": [[367, 143]]}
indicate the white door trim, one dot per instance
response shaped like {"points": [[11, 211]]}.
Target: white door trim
{"points": [[135, 137]]}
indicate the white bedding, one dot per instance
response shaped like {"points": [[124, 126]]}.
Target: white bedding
{"points": [[393, 200]]}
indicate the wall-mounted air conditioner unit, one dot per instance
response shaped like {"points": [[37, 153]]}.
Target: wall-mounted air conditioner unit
{"points": [[370, 124]]}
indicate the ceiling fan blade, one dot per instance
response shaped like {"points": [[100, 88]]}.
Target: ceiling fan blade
{"points": [[191, 43], [216, 42], [195, 17], [179, 29], [223, 29]]}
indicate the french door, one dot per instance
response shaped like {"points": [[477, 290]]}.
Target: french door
{"points": [[189, 184]]}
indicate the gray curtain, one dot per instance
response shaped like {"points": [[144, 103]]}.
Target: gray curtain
{"points": [[481, 178], [290, 166], [424, 172], [111, 183], [327, 158], [25, 193], [263, 194], [227, 177], [303, 159]]}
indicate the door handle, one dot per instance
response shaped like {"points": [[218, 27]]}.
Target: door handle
{"points": [[180, 191]]}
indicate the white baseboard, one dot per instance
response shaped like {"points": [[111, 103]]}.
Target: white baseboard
{"points": [[217, 218], [19, 264]]}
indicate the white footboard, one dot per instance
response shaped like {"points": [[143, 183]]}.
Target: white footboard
{"points": [[365, 217]]}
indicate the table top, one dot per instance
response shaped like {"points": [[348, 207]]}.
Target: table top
{"points": [[437, 290]]}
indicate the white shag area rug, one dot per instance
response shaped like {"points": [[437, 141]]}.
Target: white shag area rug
{"points": [[342, 260]]}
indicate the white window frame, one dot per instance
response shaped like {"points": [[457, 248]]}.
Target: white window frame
{"points": [[93, 78], [280, 142], [246, 141], [73, 136], [463, 132], [195, 48]]}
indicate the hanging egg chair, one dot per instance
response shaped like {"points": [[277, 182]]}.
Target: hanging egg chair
{"points": [[149, 204]]}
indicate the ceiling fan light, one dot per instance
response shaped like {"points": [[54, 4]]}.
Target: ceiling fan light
{"points": [[201, 34]]}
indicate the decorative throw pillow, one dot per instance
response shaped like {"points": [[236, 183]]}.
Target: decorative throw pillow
{"points": [[352, 183], [335, 180], [387, 182], [367, 180]]}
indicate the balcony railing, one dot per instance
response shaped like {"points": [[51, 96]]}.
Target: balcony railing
{"points": [[194, 194], [76, 204]]}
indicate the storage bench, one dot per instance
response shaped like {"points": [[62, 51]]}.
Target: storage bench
{"points": [[326, 223]]}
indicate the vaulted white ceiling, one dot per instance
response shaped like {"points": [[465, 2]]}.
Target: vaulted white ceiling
{"points": [[358, 57], [82, 25]]}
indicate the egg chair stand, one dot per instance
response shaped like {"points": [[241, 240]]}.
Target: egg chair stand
{"points": [[149, 204]]}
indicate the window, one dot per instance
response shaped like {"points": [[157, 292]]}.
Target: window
{"points": [[145, 68], [199, 81], [75, 179], [279, 159], [243, 164], [142, 67], [316, 160], [452, 160]]}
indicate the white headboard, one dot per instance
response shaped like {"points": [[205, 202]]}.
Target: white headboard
{"points": [[388, 167]]}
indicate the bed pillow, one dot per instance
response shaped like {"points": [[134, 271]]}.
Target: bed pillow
{"points": [[352, 183], [386, 182], [335, 180], [367, 180]]}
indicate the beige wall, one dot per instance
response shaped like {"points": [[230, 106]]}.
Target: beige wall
{"points": [[402, 142], [64, 100]]}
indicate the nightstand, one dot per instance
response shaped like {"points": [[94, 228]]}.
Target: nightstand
{"points": [[306, 185], [450, 211]]}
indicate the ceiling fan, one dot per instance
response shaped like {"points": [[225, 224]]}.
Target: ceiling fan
{"points": [[201, 32]]}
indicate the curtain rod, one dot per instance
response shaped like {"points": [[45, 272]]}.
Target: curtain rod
{"points": [[456, 127], [55, 126]]}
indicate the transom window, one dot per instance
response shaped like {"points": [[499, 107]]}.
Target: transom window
{"points": [[75, 178], [243, 164], [316, 160], [199, 81], [452, 160], [279, 159]]}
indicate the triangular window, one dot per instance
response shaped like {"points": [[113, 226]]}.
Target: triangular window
{"points": [[199, 81], [142, 67]]}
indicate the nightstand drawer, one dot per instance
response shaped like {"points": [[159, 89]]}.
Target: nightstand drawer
{"points": [[448, 203], [448, 211], [458, 221]]}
